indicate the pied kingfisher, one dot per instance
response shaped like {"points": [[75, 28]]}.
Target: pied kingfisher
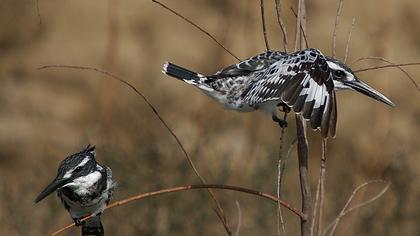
{"points": [[84, 187], [304, 81]]}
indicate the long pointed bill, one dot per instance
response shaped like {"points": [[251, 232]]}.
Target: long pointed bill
{"points": [[54, 185], [368, 91]]}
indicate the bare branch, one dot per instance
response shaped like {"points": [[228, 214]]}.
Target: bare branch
{"points": [[263, 25], [348, 39], [186, 188], [282, 26], [301, 30], [320, 193], [399, 66], [346, 209], [337, 18], [190, 161], [238, 227], [38, 12], [198, 27], [302, 150], [280, 167]]}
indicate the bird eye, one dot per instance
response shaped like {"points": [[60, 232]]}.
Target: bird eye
{"points": [[78, 169], [338, 73]]}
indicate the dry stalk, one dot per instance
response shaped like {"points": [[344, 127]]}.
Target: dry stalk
{"points": [[221, 213], [348, 39], [307, 204], [197, 27], [320, 192], [301, 29], [337, 18], [38, 12], [346, 210], [267, 46], [186, 188], [399, 66], [282, 26], [238, 226], [280, 167]]}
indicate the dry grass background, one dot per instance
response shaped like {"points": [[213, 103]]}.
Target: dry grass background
{"points": [[46, 115]]}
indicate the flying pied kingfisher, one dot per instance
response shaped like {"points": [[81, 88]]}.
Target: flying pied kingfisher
{"points": [[304, 81], [84, 187]]}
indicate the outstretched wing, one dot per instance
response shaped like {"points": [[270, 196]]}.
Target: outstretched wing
{"points": [[303, 81]]}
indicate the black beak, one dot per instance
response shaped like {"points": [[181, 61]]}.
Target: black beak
{"points": [[368, 91], [54, 185]]}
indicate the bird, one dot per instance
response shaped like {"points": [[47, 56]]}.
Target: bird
{"points": [[304, 81], [85, 188]]}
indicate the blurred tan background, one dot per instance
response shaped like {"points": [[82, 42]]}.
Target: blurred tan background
{"points": [[47, 115]]}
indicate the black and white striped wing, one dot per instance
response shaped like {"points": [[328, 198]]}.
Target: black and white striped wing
{"points": [[302, 81], [250, 65]]}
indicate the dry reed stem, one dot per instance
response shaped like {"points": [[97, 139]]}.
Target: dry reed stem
{"points": [[320, 192], [186, 188], [301, 30], [238, 226], [399, 66], [346, 210], [190, 161], [348, 39], [38, 12], [282, 26], [302, 150], [198, 27], [267, 46], [337, 18], [280, 219]]}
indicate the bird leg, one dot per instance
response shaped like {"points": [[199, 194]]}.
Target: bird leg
{"points": [[77, 222], [283, 108]]}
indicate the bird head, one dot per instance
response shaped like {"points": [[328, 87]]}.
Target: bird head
{"points": [[74, 170], [344, 78]]}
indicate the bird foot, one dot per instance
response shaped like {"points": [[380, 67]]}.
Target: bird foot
{"points": [[283, 107], [282, 123]]}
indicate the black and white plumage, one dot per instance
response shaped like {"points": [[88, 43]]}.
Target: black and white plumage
{"points": [[305, 81], [84, 187]]}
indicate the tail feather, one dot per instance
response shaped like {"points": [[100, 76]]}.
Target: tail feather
{"points": [[183, 73], [93, 227]]}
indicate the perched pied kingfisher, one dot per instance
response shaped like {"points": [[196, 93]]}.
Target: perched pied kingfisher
{"points": [[304, 81], [84, 187]]}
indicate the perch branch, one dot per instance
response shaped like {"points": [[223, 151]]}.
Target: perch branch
{"points": [[197, 27], [238, 226], [190, 161], [186, 188], [280, 167]]}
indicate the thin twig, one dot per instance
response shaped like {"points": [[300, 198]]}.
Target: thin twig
{"points": [[38, 12], [399, 66], [282, 26], [348, 39], [302, 150], [320, 193], [346, 209], [198, 27], [263, 25], [190, 187], [337, 18], [238, 226], [301, 30], [280, 221], [190, 161]]}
